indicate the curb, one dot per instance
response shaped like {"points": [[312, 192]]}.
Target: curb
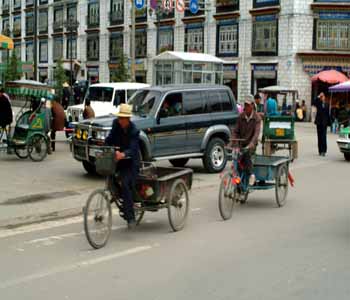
{"points": [[13, 223]]}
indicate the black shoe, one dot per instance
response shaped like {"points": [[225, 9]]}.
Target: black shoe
{"points": [[131, 224]]}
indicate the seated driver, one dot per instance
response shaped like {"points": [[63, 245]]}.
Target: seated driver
{"points": [[248, 129], [125, 136]]}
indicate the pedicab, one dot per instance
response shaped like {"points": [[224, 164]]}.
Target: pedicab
{"points": [[278, 131], [156, 188], [271, 173], [29, 137]]}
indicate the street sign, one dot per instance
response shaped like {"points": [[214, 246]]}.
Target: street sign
{"points": [[167, 5], [139, 4], [180, 6], [194, 6]]}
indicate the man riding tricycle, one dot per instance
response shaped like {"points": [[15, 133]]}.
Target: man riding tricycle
{"points": [[29, 136], [250, 172]]}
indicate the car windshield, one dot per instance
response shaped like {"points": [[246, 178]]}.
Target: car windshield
{"points": [[143, 101], [103, 94]]}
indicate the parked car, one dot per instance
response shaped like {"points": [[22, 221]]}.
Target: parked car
{"points": [[344, 142], [177, 123], [105, 99]]}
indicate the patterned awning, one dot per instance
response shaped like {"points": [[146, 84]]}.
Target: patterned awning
{"points": [[6, 43]]}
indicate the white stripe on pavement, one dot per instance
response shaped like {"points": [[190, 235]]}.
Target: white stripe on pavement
{"points": [[69, 268]]}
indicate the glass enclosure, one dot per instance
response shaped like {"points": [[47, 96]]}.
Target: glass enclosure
{"points": [[178, 71]]}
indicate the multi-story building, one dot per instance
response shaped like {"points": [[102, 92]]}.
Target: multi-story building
{"points": [[264, 42]]}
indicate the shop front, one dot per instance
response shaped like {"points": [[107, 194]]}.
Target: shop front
{"points": [[263, 75], [231, 77], [93, 74]]}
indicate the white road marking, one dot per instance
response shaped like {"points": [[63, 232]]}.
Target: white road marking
{"points": [[195, 209], [72, 267]]}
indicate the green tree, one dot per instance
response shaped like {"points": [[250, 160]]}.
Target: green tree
{"points": [[13, 68], [60, 78], [120, 74]]}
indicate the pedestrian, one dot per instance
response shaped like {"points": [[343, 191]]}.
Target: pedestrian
{"points": [[77, 93], [58, 120], [259, 107], [6, 115], [88, 112], [239, 108], [125, 136], [322, 121], [299, 113], [304, 108], [343, 114], [271, 106], [66, 95]]}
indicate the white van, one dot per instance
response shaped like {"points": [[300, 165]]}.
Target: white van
{"points": [[104, 98]]}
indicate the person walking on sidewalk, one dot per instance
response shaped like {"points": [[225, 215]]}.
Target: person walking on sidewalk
{"points": [[6, 116], [125, 136], [58, 121], [322, 121]]}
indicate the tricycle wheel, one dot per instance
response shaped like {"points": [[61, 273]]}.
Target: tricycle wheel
{"points": [[178, 205], [347, 156], [227, 197], [22, 153], [37, 147], [281, 185], [98, 219]]}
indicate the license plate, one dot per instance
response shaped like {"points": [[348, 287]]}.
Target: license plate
{"points": [[280, 132]]}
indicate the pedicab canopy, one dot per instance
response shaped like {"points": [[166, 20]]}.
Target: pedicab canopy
{"points": [[6, 43], [29, 88], [341, 87], [276, 89], [330, 77]]}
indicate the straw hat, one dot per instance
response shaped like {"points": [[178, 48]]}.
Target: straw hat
{"points": [[65, 85], [125, 111], [249, 100]]}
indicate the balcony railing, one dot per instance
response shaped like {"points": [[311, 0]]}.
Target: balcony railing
{"points": [[223, 6], [5, 8], [29, 31], [141, 15], [58, 26], [17, 31], [116, 17], [6, 31], [43, 28], [93, 21]]}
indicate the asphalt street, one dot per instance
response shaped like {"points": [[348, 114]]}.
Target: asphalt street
{"points": [[300, 251]]}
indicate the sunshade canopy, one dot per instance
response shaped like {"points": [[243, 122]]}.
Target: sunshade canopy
{"points": [[330, 77], [6, 43], [29, 88], [341, 87], [278, 89]]}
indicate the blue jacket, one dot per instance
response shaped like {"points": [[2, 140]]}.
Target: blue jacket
{"points": [[128, 142], [271, 107]]}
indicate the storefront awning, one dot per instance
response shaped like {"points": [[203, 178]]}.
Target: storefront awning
{"points": [[188, 56], [330, 77], [6, 43]]}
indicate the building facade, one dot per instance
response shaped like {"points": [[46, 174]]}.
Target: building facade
{"points": [[264, 42]]}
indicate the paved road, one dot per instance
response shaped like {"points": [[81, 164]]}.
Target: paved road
{"points": [[297, 252]]}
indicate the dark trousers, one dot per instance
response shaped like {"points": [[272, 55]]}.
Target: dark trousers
{"points": [[53, 138], [322, 138], [247, 162], [128, 183]]}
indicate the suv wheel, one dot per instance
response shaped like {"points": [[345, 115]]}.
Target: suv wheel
{"points": [[89, 167], [215, 158], [179, 163]]}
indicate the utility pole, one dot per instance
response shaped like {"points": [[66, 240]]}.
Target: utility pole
{"points": [[132, 41], [35, 48]]}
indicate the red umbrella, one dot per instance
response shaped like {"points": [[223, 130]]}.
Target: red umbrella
{"points": [[330, 77]]}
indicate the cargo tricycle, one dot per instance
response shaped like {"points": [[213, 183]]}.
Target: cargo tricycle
{"points": [[156, 188]]}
